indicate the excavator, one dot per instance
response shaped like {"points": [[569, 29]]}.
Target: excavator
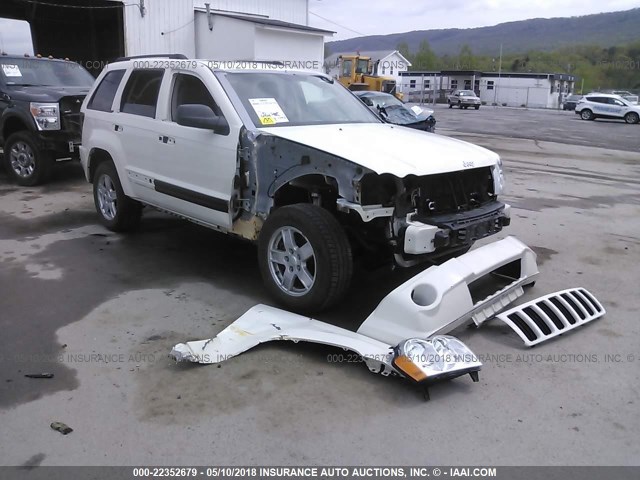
{"points": [[356, 73]]}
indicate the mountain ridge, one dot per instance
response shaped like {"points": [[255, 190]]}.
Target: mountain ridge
{"points": [[542, 34]]}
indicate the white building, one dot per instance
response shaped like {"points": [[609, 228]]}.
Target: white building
{"points": [[513, 89], [227, 30], [386, 63]]}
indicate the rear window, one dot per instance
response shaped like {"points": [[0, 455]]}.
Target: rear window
{"points": [[140, 96], [102, 99]]}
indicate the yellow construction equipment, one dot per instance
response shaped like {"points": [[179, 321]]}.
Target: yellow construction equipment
{"points": [[356, 73]]}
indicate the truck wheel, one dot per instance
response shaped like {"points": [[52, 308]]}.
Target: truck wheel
{"points": [[117, 212], [632, 117], [26, 163], [586, 114], [305, 257]]}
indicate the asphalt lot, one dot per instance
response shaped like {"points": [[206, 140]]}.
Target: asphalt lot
{"points": [[542, 125], [101, 311]]}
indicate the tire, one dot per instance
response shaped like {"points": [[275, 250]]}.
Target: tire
{"points": [[117, 212], [586, 114], [632, 117], [324, 275], [460, 105], [450, 105], [477, 107], [27, 164]]}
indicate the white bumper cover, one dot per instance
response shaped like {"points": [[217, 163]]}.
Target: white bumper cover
{"points": [[443, 297]]}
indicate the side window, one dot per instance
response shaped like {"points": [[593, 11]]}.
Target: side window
{"points": [[102, 99], [347, 65], [188, 90], [140, 96]]}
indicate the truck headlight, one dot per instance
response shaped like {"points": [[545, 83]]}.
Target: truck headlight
{"points": [[46, 115], [438, 358], [498, 178]]}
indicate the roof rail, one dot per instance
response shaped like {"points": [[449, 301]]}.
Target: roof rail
{"points": [[172, 56]]}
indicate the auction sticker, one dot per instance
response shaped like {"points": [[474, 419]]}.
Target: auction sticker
{"points": [[268, 110], [11, 70]]}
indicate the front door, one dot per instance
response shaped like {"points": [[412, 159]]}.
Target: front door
{"points": [[194, 167]]}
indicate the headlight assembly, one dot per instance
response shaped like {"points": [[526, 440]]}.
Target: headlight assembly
{"points": [[441, 357], [46, 115]]}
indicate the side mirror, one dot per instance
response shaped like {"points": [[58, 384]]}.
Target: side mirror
{"points": [[201, 116]]}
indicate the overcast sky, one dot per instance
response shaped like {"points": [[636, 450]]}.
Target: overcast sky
{"points": [[354, 18], [379, 17]]}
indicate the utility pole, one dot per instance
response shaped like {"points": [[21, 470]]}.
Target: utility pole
{"points": [[495, 92]]}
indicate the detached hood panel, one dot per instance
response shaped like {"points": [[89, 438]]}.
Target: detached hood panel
{"points": [[392, 149]]}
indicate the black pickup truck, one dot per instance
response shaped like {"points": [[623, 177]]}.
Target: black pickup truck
{"points": [[40, 122]]}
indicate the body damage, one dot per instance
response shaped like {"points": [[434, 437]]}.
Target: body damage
{"points": [[432, 303], [445, 204]]}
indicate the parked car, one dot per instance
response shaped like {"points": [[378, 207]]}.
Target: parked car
{"points": [[290, 160], [40, 101], [628, 96], [571, 101], [392, 110], [464, 99], [604, 105]]}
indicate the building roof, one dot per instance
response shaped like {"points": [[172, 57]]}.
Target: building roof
{"points": [[478, 74], [375, 55], [262, 20]]}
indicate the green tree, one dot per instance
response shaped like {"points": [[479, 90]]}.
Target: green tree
{"points": [[425, 58]]}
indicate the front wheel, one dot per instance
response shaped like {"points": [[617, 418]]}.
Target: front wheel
{"points": [[586, 115], [477, 107], [117, 212], [27, 164], [305, 258], [632, 117], [450, 105]]}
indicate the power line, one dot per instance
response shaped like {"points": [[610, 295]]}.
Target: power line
{"points": [[337, 24]]}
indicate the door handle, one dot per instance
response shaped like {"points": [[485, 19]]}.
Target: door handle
{"points": [[166, 140]]}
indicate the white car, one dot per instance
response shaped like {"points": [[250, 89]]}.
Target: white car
{"points": [[605, 105], [290, 160], [464, 99]]}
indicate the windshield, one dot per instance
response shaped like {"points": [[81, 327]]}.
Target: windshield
{"points": [[467, 93], [383, 101], [363, 66], [36, 72], [277, 99]]}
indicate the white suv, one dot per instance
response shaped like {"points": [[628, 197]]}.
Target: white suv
{"points": [[289, 159], [604, 105]]}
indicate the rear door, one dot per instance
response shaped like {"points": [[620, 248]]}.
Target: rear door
{"points": [[137, 129]]}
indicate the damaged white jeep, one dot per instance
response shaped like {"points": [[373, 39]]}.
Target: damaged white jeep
{"points": [[289, 159]]}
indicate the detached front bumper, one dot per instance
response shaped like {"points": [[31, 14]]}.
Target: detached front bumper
{"points": [[428, 234]]}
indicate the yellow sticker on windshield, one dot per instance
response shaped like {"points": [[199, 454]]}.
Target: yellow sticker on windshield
{"points": [[268, 110]]}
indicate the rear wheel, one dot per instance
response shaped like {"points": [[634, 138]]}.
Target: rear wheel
{"points": [[117, 212], [305, 257], [632, 117], [27, 164], [586, 114]]}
